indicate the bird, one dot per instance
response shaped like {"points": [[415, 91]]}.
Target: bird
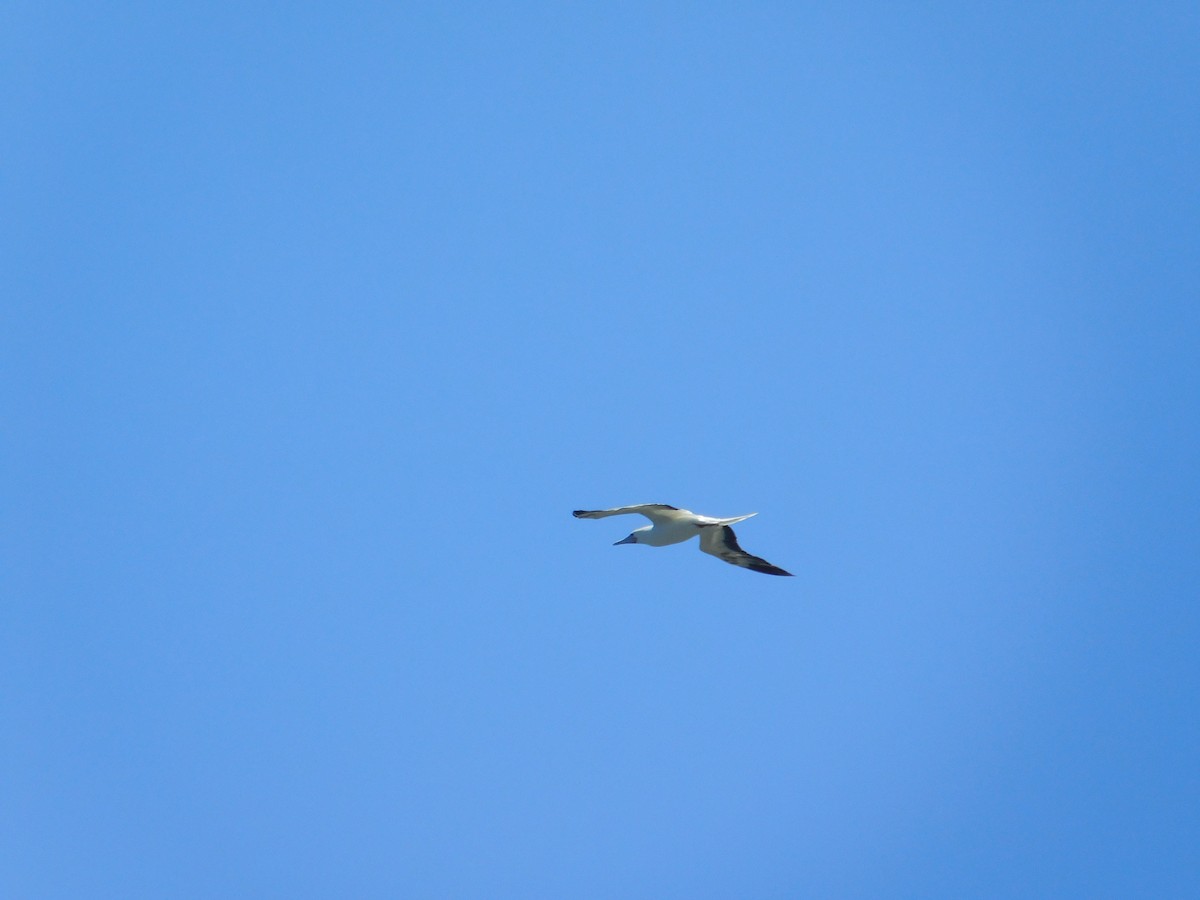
{"points": [[670, 525]]}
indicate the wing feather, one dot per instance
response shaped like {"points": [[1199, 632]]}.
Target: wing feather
{"points": [[655, 512], [721, 542]]}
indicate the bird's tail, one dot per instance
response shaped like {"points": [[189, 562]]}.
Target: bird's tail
{"points": [[736, 519]]}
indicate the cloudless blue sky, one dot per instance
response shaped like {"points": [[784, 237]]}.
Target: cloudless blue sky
{"points": [[319, 319]]}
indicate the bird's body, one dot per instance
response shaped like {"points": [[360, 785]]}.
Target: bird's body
{"points": [[674, 526]]}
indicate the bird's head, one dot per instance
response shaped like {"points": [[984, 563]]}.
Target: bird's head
{"points": [[633, 537]]}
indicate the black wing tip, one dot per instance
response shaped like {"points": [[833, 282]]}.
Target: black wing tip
{"points": [[579, 513], [745, 560], [758, 564], [774, 570]]}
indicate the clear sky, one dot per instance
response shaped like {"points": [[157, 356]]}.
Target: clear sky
{"points": [[319, 319]]}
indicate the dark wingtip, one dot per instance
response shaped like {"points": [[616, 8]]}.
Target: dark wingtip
{"points": [[771, 570], [579, 513]]}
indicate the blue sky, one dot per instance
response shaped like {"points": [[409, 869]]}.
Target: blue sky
{"points": [[320, 320]]}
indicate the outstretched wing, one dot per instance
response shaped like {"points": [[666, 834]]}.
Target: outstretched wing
{"points": [[655, 512], [721, 542]]}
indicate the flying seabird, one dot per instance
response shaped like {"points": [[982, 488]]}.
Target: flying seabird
{"points": [[672, 526]]}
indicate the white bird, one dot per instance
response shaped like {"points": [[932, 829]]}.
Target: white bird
{"points": [[672, 526]]}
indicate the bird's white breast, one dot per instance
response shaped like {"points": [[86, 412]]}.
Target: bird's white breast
{"points": [[669, 533]]}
